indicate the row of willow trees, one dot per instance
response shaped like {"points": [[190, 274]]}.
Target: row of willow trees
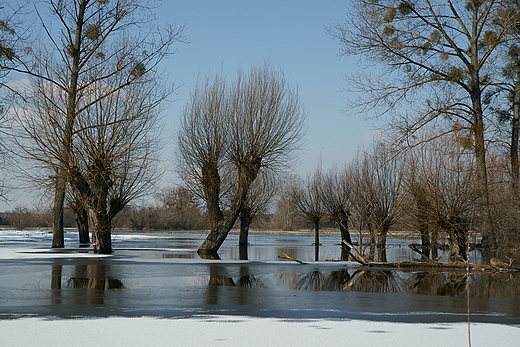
{"points": [[452, 65], [430, 188], [84, 120]]}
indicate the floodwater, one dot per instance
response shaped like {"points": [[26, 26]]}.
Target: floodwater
{"points": [[160, 275]]}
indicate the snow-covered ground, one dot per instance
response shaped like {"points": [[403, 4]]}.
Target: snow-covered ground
{"points": [[248, 331]]}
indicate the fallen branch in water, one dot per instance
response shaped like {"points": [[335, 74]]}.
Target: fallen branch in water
{"points": [[285, 256], [423, 256], [357, 256], [498, 264]]}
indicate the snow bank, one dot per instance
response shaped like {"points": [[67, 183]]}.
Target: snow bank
{"points": [[248, 331]]}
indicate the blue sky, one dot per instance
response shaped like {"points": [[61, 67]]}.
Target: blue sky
{"points": [[227, 35]]}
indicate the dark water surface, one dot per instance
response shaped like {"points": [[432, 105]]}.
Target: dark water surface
{"points": [[160, 275]]}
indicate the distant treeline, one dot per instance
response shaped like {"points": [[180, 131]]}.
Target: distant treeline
{"points": [[151, 218]]}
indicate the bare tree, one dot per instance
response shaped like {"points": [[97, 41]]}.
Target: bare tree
{"points": [[77, 205], [441, 178], [376, 180], [335, 194], [115, 153], [91, 44], [203, 143], [229, 135], [177, 199], [440, 51], [257, 202], [361, 202], [20, 218], [308, 197], [286, 211]]}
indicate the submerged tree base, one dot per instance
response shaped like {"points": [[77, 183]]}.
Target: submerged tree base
{"points": [[208, 254]]}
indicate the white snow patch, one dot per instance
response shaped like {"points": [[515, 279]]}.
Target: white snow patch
{"points": [[249, 331]]}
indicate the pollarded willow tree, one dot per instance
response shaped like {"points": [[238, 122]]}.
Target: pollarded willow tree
{"points": [[375, 179], [86, 44], [229, 134], [202, 145], [258, 200], [114, 150], [335, 195], [116, 154], [307, 196], [439, 176], [437, 58]]}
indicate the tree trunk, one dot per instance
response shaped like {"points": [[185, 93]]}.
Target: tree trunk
{"points": [[381, 245], [211, 183], [220, 225], [488, 232], [345, 236], [515, 125], [422, 222], [316, 240], [425, 241], [245, 222], [434, 243], [247, 173], [242, 253], [216, 237], [57, 211], [457, 243], [101, 232], [83, 229]]}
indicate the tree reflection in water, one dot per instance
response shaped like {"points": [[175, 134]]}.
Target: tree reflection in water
{"points": [[453, 283], [311, 281], [425, 283], [94, 279], [94, 276], [438, 283], [56, 274], [219, 277], [374, 281], [498, 284], [248, 280], [361, 281]]}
